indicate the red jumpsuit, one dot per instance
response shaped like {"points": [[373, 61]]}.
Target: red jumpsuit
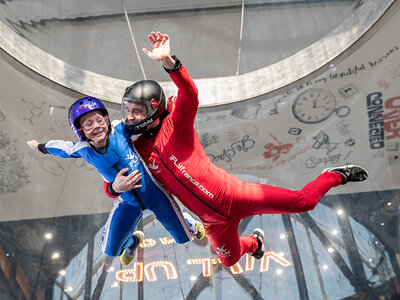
{"points": [[176, 157]]}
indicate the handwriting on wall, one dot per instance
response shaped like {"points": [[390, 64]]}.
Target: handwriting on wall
{"points": [[227, 154]]}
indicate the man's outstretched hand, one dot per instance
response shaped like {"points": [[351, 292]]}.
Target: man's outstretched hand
{"points": [[161, 50]]}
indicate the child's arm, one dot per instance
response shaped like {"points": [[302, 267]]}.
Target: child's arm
{"points": [[64, 149]]}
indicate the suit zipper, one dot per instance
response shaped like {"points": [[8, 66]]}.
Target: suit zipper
{"points": [[165, 165]]}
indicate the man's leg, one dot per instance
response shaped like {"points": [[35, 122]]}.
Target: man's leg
{"points": [[252, 198], [225, 240]]}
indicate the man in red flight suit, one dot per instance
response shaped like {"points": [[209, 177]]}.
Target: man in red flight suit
{"points": [[171, 149]]}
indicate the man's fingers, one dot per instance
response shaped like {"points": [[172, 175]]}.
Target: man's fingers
{"points": [[131, 175], [122, 171]]}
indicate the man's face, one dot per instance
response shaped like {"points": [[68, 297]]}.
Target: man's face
{"points": [[135, 113], [94, 126]]}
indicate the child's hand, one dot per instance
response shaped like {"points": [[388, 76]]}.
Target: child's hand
{"points": [[33, 144]]}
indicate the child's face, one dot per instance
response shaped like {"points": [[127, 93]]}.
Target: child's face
{"points": [[94, 126]]}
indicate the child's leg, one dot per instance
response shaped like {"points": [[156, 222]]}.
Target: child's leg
{"points": [[170, 216], [121, 223]]}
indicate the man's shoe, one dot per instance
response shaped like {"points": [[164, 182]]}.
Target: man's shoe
{"points": [[259, 235], [350, 173], [129, 253], [200, 233]]}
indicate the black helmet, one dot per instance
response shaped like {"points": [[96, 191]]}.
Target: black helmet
{"points": [[148, 93]]}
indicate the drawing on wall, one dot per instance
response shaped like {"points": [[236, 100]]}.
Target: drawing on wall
{"points": [[394, 159], [314, 105], [350, 142], [392, 146], [344, 127], [322, 142], [348, 90], [80, 162], [342, 111], [12, 169], [36, 110], [207, 140], [294, 131], [274, 151], [48, 164]]}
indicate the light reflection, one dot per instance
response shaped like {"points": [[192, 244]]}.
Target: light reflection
{"points": [[340, 212], [55, 255], [334, 232], [330, 249], [63, 272], [169, 268], [48, 236], [148, 243]]}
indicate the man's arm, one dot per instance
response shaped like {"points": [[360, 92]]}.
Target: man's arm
{"points": [[122, 183], [161, 50], [187, 100]]}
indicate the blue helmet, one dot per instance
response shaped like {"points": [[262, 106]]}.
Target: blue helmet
{"points": [[81, 107]]}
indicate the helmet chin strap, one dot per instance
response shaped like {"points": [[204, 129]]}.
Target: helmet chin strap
{"points": [[149, 133]]}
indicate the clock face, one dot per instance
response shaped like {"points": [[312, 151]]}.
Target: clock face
{"points": [[314, 105]]}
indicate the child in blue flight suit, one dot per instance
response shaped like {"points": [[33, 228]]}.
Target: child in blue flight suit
{"points": [[105, 147]]}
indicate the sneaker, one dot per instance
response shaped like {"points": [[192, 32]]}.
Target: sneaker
{"points": [[350, 173], [129, 253], [200, 233], [196, 227], [259, 235]]}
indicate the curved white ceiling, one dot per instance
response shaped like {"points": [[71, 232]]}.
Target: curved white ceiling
{"points": [[212, 91]]}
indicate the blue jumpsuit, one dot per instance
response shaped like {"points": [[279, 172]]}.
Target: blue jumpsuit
{"points": [[127, 211]]}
